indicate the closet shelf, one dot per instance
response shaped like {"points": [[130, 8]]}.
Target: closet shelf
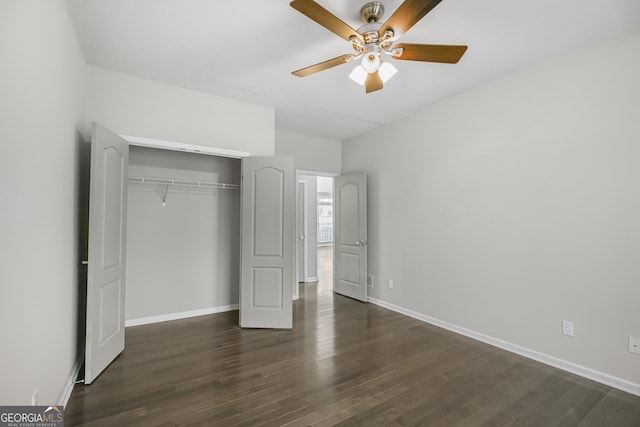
{"points": [[184, 184]]}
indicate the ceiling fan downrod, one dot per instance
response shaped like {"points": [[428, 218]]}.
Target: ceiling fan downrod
{"points": [[371, 12]]}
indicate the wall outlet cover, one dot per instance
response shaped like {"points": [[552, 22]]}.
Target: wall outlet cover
{"points": [[567, 328], [634, 345], [370, 280]]}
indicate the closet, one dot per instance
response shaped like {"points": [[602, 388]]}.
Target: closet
{"points": [[183, 228], [175, 233]]}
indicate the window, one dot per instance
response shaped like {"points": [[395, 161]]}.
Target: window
{"points": [[325, 210]]}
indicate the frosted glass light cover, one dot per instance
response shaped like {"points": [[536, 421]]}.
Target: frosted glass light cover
{"points": [[386, 71], [358, 75], [370, 62]]}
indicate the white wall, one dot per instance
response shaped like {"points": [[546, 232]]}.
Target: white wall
{"points": [[42, 80], [183, 256], [516, 205], [310, 153], [130, 105]]}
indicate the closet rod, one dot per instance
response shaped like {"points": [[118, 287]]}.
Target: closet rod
{"points": [[181, 183]]}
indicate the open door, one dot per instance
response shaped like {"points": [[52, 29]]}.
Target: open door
{"points": [[350, 236], [267, 270], [107, 239]]}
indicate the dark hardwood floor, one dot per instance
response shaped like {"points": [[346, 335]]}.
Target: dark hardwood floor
{"points": [[345, 363]]}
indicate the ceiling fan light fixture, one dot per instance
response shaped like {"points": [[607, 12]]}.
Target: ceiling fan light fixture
{"points": [[376, 37], [370, 62], [359, 75], [386, 71]]}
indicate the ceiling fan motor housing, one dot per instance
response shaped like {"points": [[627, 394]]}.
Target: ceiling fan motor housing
{"points": [[370, 32]]}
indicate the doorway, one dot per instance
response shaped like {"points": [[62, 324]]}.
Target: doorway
{"points": [[325, 234], [182, 237], [315, 230]]}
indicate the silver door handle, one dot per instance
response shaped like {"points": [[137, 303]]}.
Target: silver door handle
{"points": [[363, 243], [85, 262]]}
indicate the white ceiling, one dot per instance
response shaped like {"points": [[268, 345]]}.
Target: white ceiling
{"points": [[246, 50]]}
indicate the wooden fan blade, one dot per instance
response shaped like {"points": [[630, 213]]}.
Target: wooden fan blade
{"points": [[448, 54], [407, 15], [374, 82], [322, 66], [322, 16]]}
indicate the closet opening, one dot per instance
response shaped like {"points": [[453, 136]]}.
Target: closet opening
{"points": [[183, 229]]}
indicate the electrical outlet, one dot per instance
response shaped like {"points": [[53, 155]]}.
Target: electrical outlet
{"points": [[370, 280], [34, 398], [567, 328], [634, 345], [390, 284]]}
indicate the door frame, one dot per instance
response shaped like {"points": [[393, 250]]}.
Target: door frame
{"points": [[299, 173], [180, 146], [183, 147]]}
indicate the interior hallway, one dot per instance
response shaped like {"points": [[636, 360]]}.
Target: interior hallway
{"points": [[325, 269]]}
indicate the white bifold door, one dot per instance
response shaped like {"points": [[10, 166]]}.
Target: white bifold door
{"points": [[107, 244], [267, 258], [350, 236], [267, 268]]}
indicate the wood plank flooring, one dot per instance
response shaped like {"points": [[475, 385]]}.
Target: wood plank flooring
{"points": [[345, 363]]}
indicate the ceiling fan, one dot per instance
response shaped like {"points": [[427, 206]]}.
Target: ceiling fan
{"points": [[375, 38]]}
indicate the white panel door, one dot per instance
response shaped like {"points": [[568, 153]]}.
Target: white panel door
{"points": [[350, 236], [267, 271], [107, 238]]}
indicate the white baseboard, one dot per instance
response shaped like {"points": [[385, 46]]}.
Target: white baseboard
{"points": [[65, 394], [582, 371], [181, 315]]}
